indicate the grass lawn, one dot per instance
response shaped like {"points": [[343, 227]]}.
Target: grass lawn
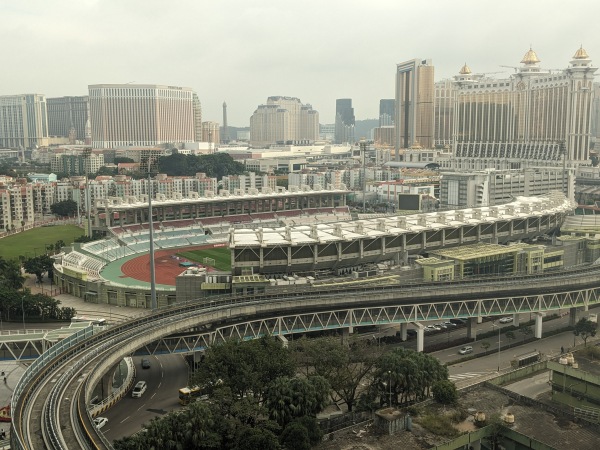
{"points": [[221, 255], [34, 241]]}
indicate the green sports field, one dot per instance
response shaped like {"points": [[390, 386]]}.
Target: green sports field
{"points": [[221, 255], [33, 242]]}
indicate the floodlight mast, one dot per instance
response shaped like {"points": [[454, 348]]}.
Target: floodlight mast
{"points": [[153, 304]]}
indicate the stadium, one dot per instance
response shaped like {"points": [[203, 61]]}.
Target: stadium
{"points": [[288, 240]]}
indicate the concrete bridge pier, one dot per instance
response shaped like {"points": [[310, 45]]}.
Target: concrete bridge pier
{"points": [[572, 317], [538, 324], [472, 327], [404, 331], [420, 338], [515, 321]]}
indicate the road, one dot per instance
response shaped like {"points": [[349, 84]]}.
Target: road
{"points": [[166, 375]]}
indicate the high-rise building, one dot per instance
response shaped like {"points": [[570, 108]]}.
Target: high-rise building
{"points": [[283, 120], [65, 114], [197, 118], [210, 133], [414, 104], [536, 116], [23, 121], [142, 115], [444, 111], [344, 121], [387, 112]]}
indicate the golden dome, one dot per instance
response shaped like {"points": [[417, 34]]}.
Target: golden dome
{"points": [[465, 70], [530, 57], [581, 54]]}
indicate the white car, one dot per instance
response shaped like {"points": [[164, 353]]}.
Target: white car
{"points": [[100, 422], [506, 320], [139, 389]]}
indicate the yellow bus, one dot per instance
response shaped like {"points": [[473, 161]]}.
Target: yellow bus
{"points": [[188, 394]]}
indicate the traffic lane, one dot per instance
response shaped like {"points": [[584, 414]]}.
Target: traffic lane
{"points": [[167, 373], [532, 387]]}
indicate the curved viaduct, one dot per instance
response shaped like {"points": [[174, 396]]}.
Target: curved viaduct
{"points": [[50, 401]]}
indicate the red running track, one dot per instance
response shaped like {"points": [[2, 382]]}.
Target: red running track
{"points": [[166, 267]]}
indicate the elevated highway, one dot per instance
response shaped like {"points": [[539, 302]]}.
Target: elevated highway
{"points": [[50, 402]]}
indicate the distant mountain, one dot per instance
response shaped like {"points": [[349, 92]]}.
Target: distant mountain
{"points": [[364, 128]]}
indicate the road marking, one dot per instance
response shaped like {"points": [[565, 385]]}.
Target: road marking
{"points": [[464, 376], [126, 418], [153, 395]]}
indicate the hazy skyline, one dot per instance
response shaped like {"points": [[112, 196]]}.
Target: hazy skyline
{"points": [[243, 51]]}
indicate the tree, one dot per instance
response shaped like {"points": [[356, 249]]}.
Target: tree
{"points": [[295, 437], [444, 391], [38, 266], [343, 366], [510, 335], [215, 165], [58, 245], [290, 398], [485, 345], [257, 439], [404, 375], [247, 367], [10, 274], [122, 159], [64, 208], [585, 329], [22, 225]]}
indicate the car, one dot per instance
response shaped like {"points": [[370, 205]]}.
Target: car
{"points": [[139, 389], [100, 422], [433, 328], [449, 324], [145, 363], [441, 325], [466, 350], [506, 320], [458, 321]]}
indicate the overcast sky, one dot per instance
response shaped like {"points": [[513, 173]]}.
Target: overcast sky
{"points": [[243, 51]]}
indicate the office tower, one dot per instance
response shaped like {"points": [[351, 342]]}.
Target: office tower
{"points": [[344, 121], [23, 121], [283, 120], [210, 133], [197, 118], [414, 104], [444, 111], [387, 112], [65, 113], [142, 115], [535, 115], [225, 137]]}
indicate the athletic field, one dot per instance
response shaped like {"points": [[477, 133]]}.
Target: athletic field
{"points": [[221, 255], [33, 242]]}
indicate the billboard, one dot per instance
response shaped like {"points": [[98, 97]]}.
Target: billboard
{"points": [[409, 202]]}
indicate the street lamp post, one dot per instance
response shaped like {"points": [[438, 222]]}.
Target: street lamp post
{"points": [[498, 325], [390, 386], [23, 310]]}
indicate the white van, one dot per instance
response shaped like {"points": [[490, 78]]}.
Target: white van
{"points": [[139, 389]]}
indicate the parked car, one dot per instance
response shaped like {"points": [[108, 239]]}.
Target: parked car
{"points": [[139, 389], [458, 321], [100, 422], [466, 350], [433, 328], [506, 320], [449, 324], [442, 325], [145, 363]]}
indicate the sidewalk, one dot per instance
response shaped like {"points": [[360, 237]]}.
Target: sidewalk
{"points": [[13, 370], [111, 313]]}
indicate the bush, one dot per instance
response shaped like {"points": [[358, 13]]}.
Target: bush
{"points": [[445, 392], [439, 424]]}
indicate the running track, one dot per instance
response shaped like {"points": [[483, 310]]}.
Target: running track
{"points": [[166, 267]]}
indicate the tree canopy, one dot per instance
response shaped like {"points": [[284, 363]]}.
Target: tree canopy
{"points": [[215, 165], [585, 329], [64, 208]]}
